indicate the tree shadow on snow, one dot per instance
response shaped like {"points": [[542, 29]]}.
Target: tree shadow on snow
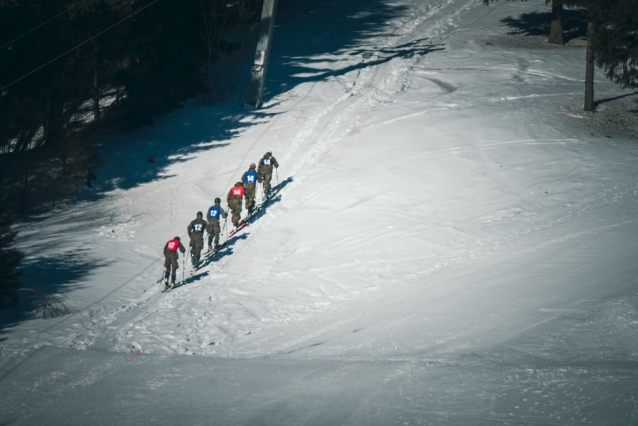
{"points": [[51, 275], [310, 40], [615, 98], [145, 155], [313, 40], [539, 24], [316, 40]]}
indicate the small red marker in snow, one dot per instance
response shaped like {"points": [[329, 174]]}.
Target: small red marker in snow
{"points": [[137, 353]]}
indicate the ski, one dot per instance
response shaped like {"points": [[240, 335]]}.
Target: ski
{"points": [[215, 249], [273, 193], [257, 208], [212, 251], [242, 225], [168, 288]]}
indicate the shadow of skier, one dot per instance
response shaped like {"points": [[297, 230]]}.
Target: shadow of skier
{"points": [[227, 250], [275, 198], [193, 278]]}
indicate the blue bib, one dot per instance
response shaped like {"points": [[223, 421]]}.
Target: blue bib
{"points": [[251, 177], [214, 212]]}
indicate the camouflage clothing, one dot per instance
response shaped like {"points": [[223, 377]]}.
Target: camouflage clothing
{"points": [[196, 233], [249, 197], [213, 230], [250, 185], [213, 227], [235, 214], [170, 260], [234, 203], [264, 169]]}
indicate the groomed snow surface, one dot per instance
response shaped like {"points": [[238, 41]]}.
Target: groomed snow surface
{"points": [[450, 243]]}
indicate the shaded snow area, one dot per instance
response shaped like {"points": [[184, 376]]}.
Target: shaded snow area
{"points": [[451, 243]]}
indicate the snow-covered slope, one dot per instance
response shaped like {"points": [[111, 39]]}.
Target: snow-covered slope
{"points": [[447, 246]]}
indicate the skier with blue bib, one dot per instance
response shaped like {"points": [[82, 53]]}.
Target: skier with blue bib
{"points": [[213, 229], [250, 183]]}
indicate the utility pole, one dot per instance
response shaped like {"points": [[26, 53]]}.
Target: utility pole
{"points": [[258, 72]]}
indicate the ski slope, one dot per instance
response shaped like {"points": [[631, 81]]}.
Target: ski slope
{"points": [[451, 243]]}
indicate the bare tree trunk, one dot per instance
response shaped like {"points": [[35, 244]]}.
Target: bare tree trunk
{"points": [[556, 35], [96, 96], [589, 69]]}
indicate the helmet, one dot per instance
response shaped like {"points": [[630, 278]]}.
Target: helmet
{"points": [[239, 184], [252, 165], [176, 238], [268, 152], [200, 214], [217, 200]]}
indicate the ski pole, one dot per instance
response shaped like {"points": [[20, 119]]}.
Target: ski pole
{"points": [[224, 227], [183, 267], [277, 174]]}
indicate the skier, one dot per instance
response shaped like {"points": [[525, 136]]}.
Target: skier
{"points": [[250, 182], [170, 259], [196, 234], [214, 213], [265, 170], [234, 198]]}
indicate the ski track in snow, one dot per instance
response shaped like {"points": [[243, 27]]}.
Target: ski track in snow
{"points": [[321, 131], [324, 122], [316, 139]]}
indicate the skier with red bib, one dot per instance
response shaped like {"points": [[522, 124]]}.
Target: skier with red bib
{"points": [[170, 259], [234, 199]]}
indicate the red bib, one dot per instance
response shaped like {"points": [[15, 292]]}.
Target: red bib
{"points": [[172, 245], [237, 191]]}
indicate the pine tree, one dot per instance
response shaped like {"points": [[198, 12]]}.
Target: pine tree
{"points": [[52, 104], [615, 42], [612, 40]]}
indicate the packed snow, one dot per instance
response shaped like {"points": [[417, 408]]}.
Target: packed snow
{"points": [[451, 242]]}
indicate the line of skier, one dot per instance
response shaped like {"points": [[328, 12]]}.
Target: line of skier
{"points": [[243, 190]]}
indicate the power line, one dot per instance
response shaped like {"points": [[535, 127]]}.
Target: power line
{"points": [[78, 46]]}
